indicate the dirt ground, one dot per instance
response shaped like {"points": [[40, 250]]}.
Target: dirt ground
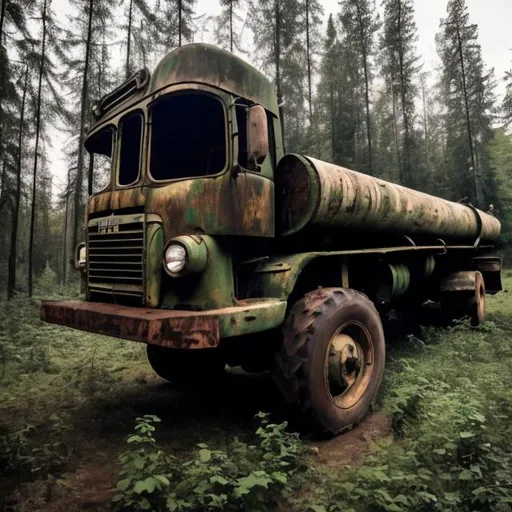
{"points": [[212, 416]]}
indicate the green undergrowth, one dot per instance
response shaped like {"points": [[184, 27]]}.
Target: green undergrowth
{"points": [[448, 394], [243, 476], [67, 397]]}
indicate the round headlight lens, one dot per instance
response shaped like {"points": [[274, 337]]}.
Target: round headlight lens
{"points": [[175, 258]]}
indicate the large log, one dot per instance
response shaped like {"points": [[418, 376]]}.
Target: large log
{"points": [[325, 197]]}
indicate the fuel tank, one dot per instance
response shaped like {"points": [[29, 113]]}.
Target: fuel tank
{"points": [[317, 196]]}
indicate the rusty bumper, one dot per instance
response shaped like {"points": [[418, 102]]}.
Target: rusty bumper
{"points": [[169, 328]]}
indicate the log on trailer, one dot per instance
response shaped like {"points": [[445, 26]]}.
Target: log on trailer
{"points": [[320, 195]]}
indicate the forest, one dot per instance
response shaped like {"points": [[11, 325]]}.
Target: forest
{"points": [[353, 90], [84, 423]]}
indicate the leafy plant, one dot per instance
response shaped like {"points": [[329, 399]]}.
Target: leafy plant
{"points": [[23, 453], [245, 476]]}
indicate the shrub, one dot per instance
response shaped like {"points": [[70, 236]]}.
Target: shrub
{"points": [[244, 476], [35, 452]]}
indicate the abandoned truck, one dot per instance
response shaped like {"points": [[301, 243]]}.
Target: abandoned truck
{"points": [[212, 247]]}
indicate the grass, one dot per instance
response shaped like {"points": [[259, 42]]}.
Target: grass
{"points": [[446, 391]]}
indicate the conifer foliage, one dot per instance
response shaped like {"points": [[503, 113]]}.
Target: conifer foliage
{"points": [[350, 84]]}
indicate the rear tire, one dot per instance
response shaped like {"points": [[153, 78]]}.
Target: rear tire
{"points": [[466, 303], [331, 361], [186, 367]]}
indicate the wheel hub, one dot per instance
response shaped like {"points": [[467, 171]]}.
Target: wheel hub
{"points": [[345, 360]]}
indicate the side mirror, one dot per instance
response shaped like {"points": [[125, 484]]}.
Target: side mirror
{"points": [[257, 136]]}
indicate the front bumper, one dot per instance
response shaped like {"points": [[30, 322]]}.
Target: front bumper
{"points": [[169, 328]]}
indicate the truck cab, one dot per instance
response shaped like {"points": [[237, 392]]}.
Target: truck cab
{"points": [[181, 162]]}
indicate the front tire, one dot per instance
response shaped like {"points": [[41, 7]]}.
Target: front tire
{"points": [[186, 367], [331, 362]]}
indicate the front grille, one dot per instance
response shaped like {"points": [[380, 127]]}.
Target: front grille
{"points": [[115, 259]]}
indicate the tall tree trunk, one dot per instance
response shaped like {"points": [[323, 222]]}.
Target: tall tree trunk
{"points": [[180, 21], [333, 122], [395, 130], [2, 19], [65, 252], [425, 123], [2, 182], [128, 40], [2, 64], [308, 54], [364, 53], [468, 116], [405, 117], [231, 25], [277, 36], [11, 280], [81, 139], [36, 156]]}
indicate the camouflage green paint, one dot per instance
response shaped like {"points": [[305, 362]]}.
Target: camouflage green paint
{"points": [[207, 64], [277, 276], [225, 205], [210, 289], [321, 195], [153, 273], [251, 317], [394, 280]]}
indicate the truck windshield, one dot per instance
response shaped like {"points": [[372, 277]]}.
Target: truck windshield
{"points": [[100, 146], [188, 136]]}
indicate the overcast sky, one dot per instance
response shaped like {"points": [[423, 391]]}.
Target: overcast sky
{"points": [[494, 18]]}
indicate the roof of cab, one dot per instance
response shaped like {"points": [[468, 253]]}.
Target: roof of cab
{"points": [[208, 64]]}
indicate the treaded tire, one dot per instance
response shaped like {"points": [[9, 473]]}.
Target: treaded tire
{"points": [[186, 367], [301, 368], [466, 303]]}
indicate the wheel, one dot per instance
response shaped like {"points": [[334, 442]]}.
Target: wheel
{"points": [[468, 302], [186, 367], [476, 304], [331, 361]]}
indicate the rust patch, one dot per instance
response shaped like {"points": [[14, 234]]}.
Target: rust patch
{"points": [[217, 206], [116, 200], [173, 329]]}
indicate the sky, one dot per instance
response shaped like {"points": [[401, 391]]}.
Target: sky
{"points": [[494, 18]]}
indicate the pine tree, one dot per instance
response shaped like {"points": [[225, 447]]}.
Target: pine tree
{"points": [[360, 24], [340, 101], [142, 27], [469, 100], [90, 74], [313, 14], [228, 31], [177, 22], [14, 35], [327, 101], [278, 29], [400, 69], [41, 71], [11, 280], [507, 101]]}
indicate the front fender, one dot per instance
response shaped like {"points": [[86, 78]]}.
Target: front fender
{"points": [[276, 277]]}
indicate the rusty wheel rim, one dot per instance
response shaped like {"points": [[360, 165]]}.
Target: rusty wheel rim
{"points": [[348, 364]]}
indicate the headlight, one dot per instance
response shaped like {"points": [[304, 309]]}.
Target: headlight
{"points": [[175, 258], [81, 257], [185, 255]]}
